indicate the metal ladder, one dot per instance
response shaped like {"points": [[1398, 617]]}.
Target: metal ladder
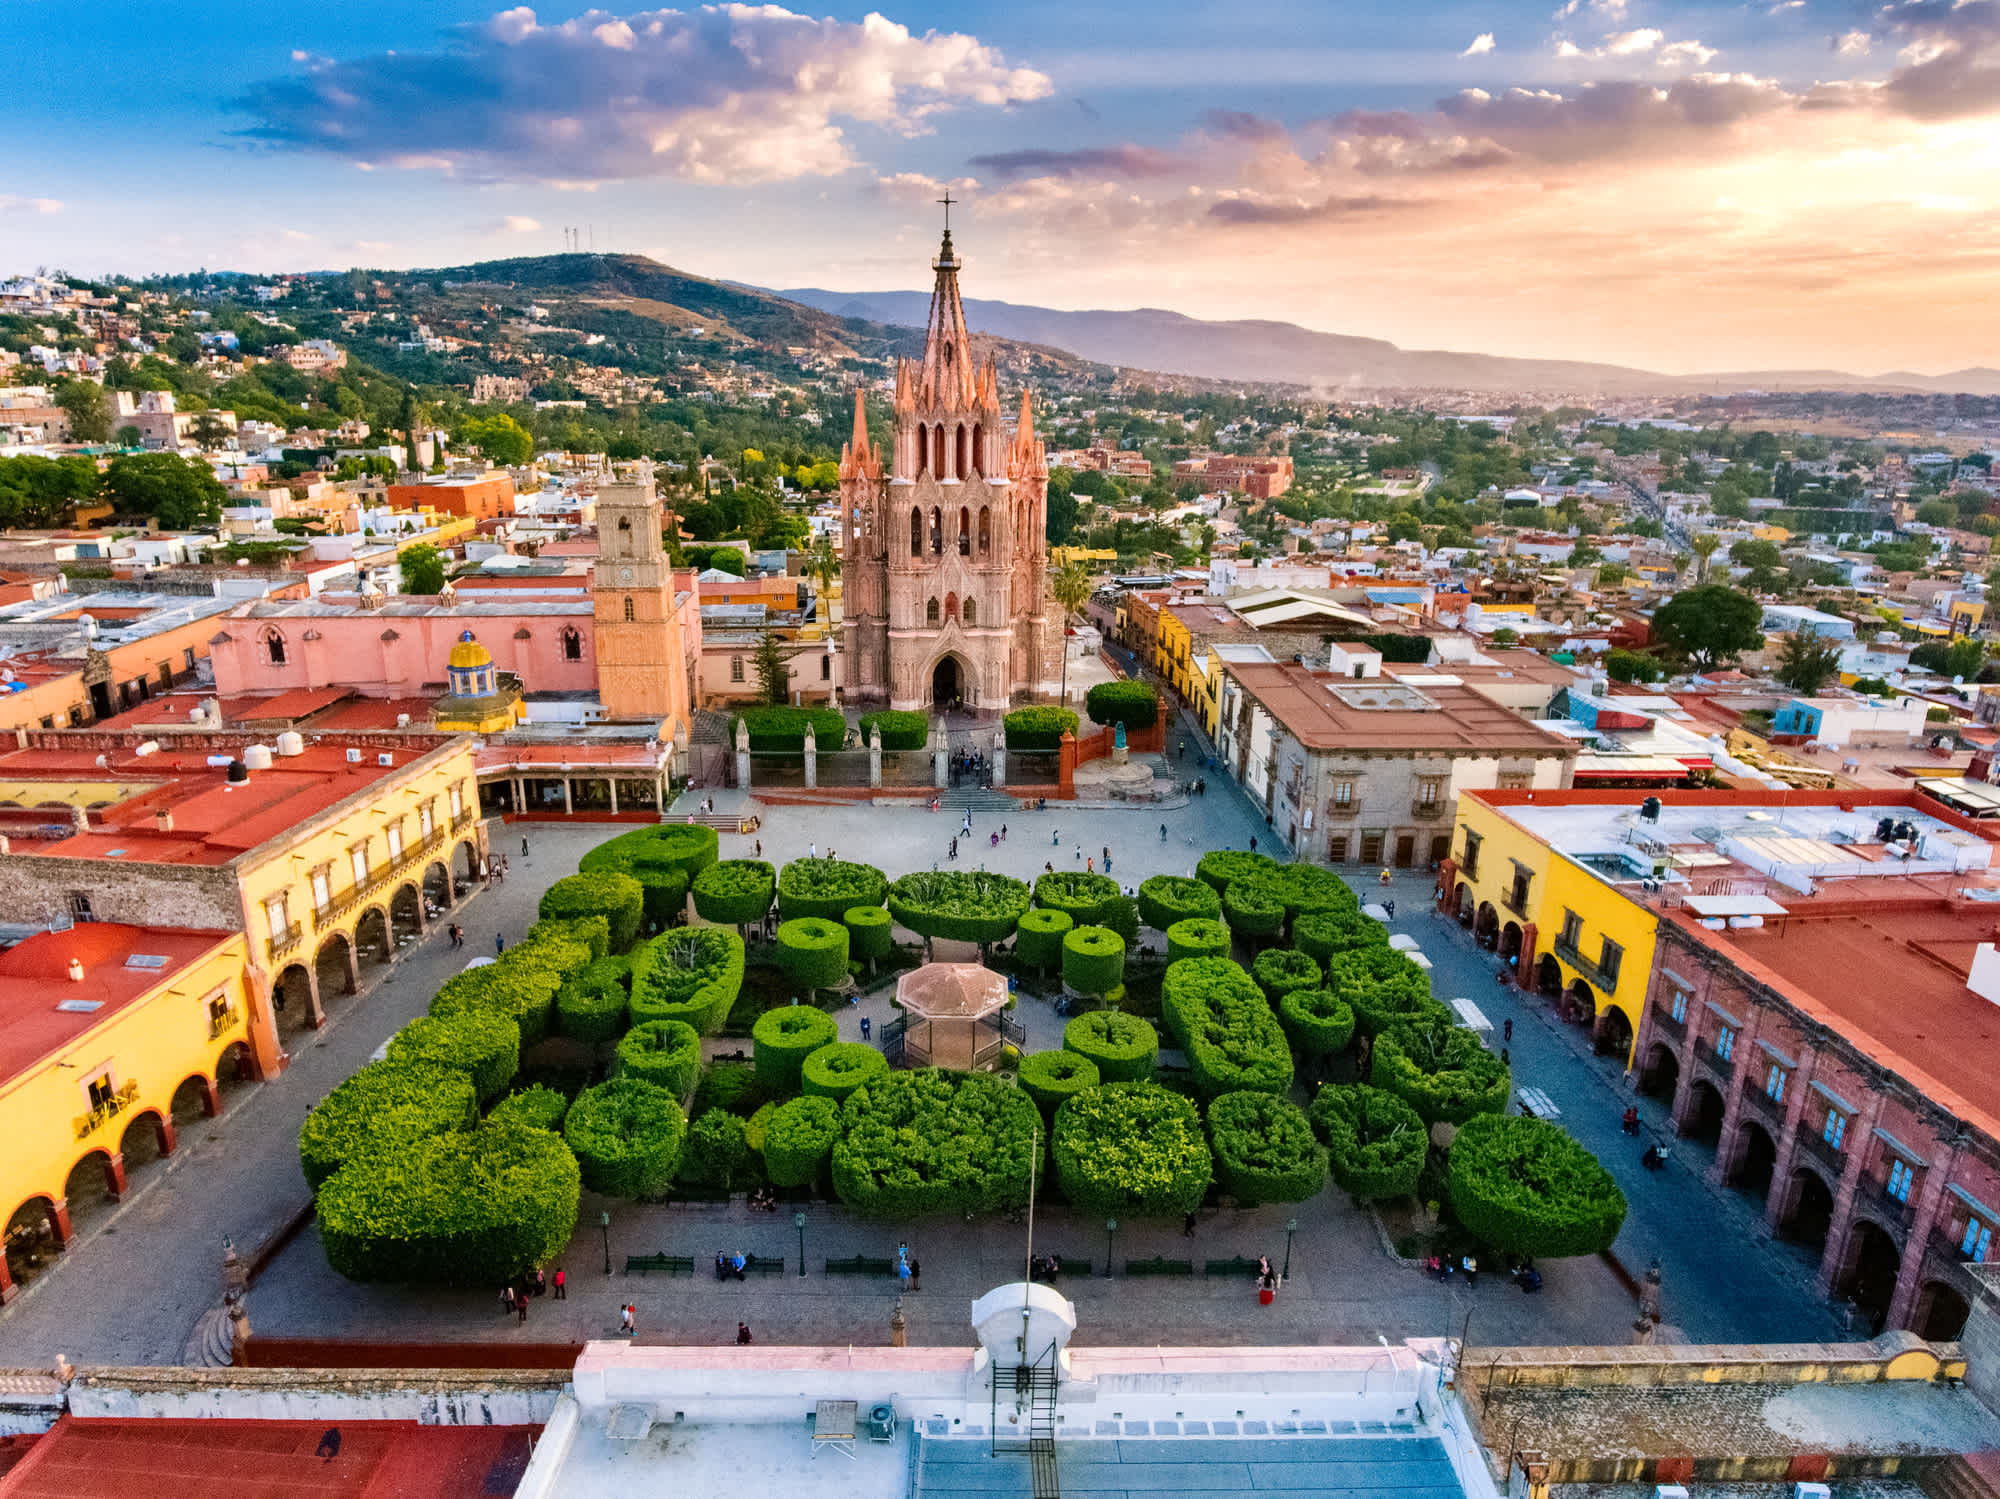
{"points": [[1037, 1382]]}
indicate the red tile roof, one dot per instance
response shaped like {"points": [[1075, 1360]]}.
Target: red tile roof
{"points": [[1301, 700]]}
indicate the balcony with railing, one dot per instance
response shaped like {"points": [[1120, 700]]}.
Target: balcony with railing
{"points": [[1705, 1055], [1767, 1108], [1893, 1213], [222, 1020], [1602, 979], [283, 942], [1343, 809], [103, 1113], [1824, 1151], [1428, 811], [464, 820], [1665, 1024], [377, 880]]}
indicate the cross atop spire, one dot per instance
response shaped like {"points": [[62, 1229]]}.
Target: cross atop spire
{"points": [[947, 200]]}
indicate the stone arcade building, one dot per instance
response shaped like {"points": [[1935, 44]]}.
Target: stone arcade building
{"points": [[945, 568]]}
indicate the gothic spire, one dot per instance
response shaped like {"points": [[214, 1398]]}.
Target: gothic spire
{"points": [[858, 456], [947, 371], [1025, 459]]}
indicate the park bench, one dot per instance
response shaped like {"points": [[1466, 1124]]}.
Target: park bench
{"points": [[1159, 1265], [763, 1264], [860, 1265], [1237, 1266], [666, 1264], [1071, 1269]]}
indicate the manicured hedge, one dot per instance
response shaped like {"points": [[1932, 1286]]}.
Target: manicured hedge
{"points": [[663, 858], [1198, 937], [538, 1106], [591, 1006], [1220, 1017], [1527, 1188], [525, 994], [914, 1143], [1124, 1047], [618, 898], [1050, 1077], [716, 1153], [814, 952], [467, 1208], [1093, 959], [1132, 1150], [1133, 704], [871, 934], [1324, 933], [1086, 897], [897, 729], [1317, 1021], [1222, 867], [798, 1138], [384, 1105], [1376, 1144], [485, 1047], [735, 892], [1251, 908], [1265, 1149], [1383, 986], [783, 1038], [1440, 1070], [691, 973], [1305, 889], [782, 731], [1038, 728], [1038, 941], [627, 1137], [569, 943], [1280, 971], [1167, 898], [959, 905], [665, 1053], [828, 887], [836, 1071]]}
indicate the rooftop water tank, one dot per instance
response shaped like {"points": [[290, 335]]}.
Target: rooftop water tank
{"points": [[257, 757], [291, 742]]}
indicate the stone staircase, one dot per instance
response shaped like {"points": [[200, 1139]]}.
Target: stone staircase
{"points": [[211, 1343], [1972, 1475]]}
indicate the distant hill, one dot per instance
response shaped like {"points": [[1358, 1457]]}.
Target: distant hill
{"points": [[1149, 338]]}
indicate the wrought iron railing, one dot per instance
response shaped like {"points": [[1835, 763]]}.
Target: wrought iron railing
{"points": [[377, 880], [286, 940], [110, 1108]]}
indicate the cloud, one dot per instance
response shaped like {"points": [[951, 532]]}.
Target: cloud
{"points": [[1240, 125], [726, 93], [1784, 5], [1951, 58], [1106, 161], [11, 203], [1688, 54], [517, 223], [1481, 44], [1626, 43], [1852, 43], [918, 187], [1253, 211]]}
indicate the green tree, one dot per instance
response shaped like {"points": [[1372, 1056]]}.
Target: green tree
{"points": [[1937, 513], [823, 565], [1071, 590], [1957, 658], [774, 675], [1704, 547], [89, 410], [179, 494], [1709, 625], [423, 568], [208, 430], [500, 438], [38, 491], [1807, 661]]}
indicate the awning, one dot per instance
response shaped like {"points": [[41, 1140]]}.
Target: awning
{"points": [[1629, 767]]}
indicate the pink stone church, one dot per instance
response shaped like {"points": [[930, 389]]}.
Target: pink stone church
{"points": [[944, 574]]}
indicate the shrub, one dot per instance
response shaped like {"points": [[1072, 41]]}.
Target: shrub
{"points": [[1251, 908], [385, 1104], [1281, 970], [1122, 916], [524, 994], [1219, 1016], [814, 952], [568, 943], [782, 731], [591, 1006], [798, 1138], [1197, 938], [1304, 889], [692, 974], [537, 1106], [871, 934], [716, 1151], [735, 892], [1324, 933], [960, 906], [1133, 704], [784, 1038], [627, 1137], [665, 1053], [1382, 986], [1376, 1144], [485, 1047], [1167, 898], [1223, 866], [1527, 1188], [1086, 898], [898, 729], [618, 898], [1440, 1070], [756, 1124], [1317, 1021], [1123, 1047], [1265, 1150], [1038, 942], [1093, 959], [461, 1208], [1049, 1077], [1132, 1150], [1038, 728], [837, 1070], [828, 887], [664, 859], [923, 1142]]}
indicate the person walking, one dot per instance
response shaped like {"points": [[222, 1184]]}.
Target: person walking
{"points": [[1003, 832], [1163, 832], [1107, 858], [1187, 1226], [1253, 843], [524, 848], [812, 850], [1090, 866], [1055, 837], [1507, 1031], [627, 1320], [743, 1338], [499, 944], [1471, 1268], [506, 1298], [521, 1306], [561, 1284], [760, 848]]}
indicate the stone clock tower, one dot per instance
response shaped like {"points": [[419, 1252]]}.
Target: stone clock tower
{"points": [[640, 670]]}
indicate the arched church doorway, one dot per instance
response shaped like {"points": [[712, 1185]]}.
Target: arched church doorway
{"points": [[947, 684]]}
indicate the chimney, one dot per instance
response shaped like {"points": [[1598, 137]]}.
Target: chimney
{"points": [[80, 818], [76, 970], [163, 820]]}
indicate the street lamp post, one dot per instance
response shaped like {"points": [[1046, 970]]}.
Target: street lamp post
{"points": [[799, 1222], [1110, 1236], [1291, 1227], [604, 1222]]}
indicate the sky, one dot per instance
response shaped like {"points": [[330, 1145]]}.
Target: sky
{"points": [[1686, 187]]}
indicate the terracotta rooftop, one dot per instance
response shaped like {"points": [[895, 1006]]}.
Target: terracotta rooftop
{"points": [[1458, 718]]}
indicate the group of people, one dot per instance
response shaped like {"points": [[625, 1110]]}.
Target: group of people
{"points": [[730, 1264], [1045, 1267], [970, 765], [514, 1295]]}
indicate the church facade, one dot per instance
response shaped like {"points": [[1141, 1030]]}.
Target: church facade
{"points": [[944, 569]]}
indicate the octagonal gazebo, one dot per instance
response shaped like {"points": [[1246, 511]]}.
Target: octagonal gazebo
{"points": [[952, 1009]]}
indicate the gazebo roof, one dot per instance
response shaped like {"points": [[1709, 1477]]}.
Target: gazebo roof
{"points": [[951, 991]]}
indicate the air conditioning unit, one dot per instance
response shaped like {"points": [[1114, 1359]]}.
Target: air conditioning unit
{"points": [[385, 759], [354, 757]]}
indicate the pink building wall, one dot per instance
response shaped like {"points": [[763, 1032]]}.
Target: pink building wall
{"points": [[387, 654]]}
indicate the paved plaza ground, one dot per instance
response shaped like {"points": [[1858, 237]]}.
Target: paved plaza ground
{"points": [[143, 1274]]}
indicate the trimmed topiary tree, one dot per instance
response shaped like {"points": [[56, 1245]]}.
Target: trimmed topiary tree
{"points": [[1087, 898], [1376, 1144], [538, 1106], [814, 952], [618, 898], [691, 973], [776, 730], [1132, 1150], [1282, 970], [485, 1047], [1305, 889], [1324, 933], [1265, 1149], [1318, 1022], [716, 1153], [383, 1106], [1038, 939], [871, 934], [1528, 1189], [836, 1071], [1440, 1070], [1167, 898], [735, 892], [1093, 959], [914, 1143], [1383, 987], [568, 943], [798, 1138], [784, 1038], [959, 905], [1123, 1047], [1222, 1021], [1038, 728], [827, 888], [591, 1006], [1222, 867], [1252, 910], [898, 729], [664, 858], [627, 1137], [1050, 1077], [522, 993], [1197, 938], [1133, 704], [665, 1053]]}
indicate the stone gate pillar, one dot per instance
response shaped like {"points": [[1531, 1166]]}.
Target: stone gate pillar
{"points": [[999, 758], [940, 756], [812, 759], [874, 737], [742, 755]]}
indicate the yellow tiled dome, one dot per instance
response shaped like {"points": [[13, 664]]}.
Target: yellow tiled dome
{"points": [[469, 654]]}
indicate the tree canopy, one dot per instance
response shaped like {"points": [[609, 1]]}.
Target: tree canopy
{"points": [[1709, 625], [180, 494]]}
